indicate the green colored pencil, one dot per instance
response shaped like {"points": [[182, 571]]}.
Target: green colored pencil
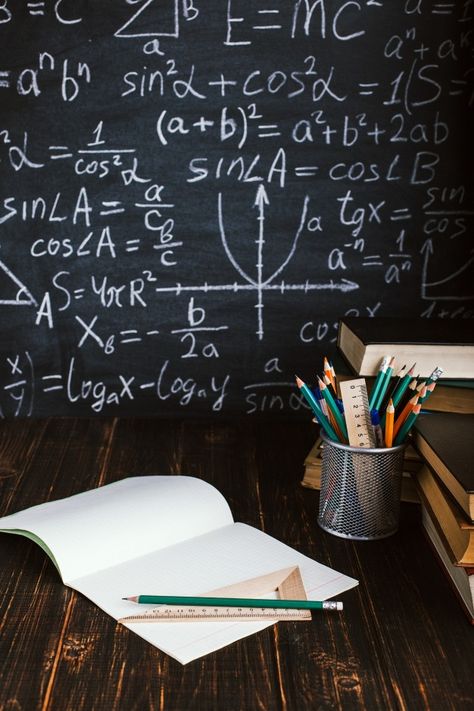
{"points": [[319, 414], [384, 383], [427, 390], [400, 389], [405, 428], [332, 404], [378, 381], [235, 602], [435, 375], [403, 385]]}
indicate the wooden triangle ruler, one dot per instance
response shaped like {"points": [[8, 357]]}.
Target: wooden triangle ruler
{"points": [[286, 582]]}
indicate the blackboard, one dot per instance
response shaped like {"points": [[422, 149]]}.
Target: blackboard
{"points": [[193, 193]]}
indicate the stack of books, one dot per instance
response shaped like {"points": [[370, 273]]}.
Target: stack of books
{"points": [[445, 483], [443, 436]]}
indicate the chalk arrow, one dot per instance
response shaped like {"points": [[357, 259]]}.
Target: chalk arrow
{"points": [[426, 250], [261, 199], [427, 247]]}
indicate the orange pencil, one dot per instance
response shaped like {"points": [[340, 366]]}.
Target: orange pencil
{"points": [[335, 426], [334, 376], [389, 418], [404, 414], [329, 375]]}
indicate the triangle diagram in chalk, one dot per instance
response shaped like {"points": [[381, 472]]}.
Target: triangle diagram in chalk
{"points": [[152, 19], [12, 291]]}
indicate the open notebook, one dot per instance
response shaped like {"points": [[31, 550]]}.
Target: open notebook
{"points": [[169, 535]]}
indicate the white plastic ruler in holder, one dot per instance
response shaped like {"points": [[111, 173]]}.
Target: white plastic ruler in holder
{"points": [[357, 413], [287, 582]]}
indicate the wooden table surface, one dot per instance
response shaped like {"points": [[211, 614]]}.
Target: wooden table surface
{"points": [[402, 641]]}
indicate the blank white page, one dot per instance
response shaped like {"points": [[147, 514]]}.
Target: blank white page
{"points": [[195, 567], [127, 519]]}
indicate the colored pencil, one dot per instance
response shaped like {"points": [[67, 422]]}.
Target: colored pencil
{"points": [[322, 402], [420, 386], [375, 419], [427, 391], [234, 602], [333, 408], [390, 392], [404, 414], [407, 395], [334, 376], [378, 380], [389, 421], [384, 384], [407, 425], [400, 379], [403, 385], [435, 375], [328, 411], [319, 415], [329, 374]]}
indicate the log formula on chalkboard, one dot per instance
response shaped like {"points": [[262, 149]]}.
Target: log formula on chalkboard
{"points": [[193, 193]]}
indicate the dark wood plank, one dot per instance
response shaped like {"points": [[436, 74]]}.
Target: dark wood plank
{"points": [[65, 457]]}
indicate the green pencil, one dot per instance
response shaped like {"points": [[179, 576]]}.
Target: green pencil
{"points": [[333, 407], [405, 428], [427, 390], [384, 383], [403, 385], [378, 381], [235, 602], [314, 405], [435, 375]]}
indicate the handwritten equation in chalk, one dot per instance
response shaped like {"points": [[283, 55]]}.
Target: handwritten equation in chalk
{"points": [[194, 193]]}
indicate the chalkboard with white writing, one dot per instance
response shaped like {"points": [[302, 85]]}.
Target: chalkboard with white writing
{"points": [[193, 193]]}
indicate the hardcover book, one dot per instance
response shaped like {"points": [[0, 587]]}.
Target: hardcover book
{"points": [[448, 343], [453, 526], [462, 579], [446, 442]]}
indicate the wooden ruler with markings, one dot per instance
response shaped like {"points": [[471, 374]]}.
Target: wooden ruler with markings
{"points": [[287, 582], [357, 413]]}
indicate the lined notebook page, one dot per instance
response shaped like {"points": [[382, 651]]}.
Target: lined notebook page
{"points": [[232, 554]]}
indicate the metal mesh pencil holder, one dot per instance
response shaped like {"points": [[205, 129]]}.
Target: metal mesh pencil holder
{"points": [[360, 490]]}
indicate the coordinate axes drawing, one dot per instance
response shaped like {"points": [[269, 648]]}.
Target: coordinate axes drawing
{"points": [[260, 283]]}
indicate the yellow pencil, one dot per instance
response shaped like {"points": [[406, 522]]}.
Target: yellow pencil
{"points": [[389, 422]]}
